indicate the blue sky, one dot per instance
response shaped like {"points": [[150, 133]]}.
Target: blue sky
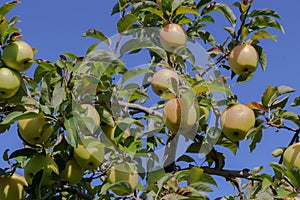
{"points": [[56, 26]]}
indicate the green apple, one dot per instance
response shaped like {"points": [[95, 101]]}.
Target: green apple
{"points": [[179, 116], [109, 132], [12, 187], [243, 59], [123, 172], [204, 114], [72, 172], [291, 156], [10, 82], [163, 80], [236, 121], [89, 153], [172, 36], [90, 112], [18, 55], [35, 130], [37, 163]]}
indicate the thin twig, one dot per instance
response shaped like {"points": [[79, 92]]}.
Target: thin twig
{"points": [[141, 108]]}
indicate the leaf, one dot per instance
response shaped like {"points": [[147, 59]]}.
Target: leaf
{"points": [[154, 11], [256, 106], [231, 31], [225, 10], [176, 4], [265, 11], [195, 174], [133, 73], [256, 135], [28, 152], [264, 22], [7, 7], [185, 9], [294, 175], [279, 170], [59, 95], [125, 187], [93, 33], [263, 34], [35, 189], [272, 93], [126, 22], [135, 44], [185, 158], [212, 87], [17, 115], [262, 57], [296, 102], [71, 130], [291, 116], [245, 78], [202, 3]]}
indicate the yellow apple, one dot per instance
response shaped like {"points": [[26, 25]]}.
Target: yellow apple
{"points": [[109, 132], [35, 130], [37, 163], [243, 59], [291, 156], [236, 121], [122, 173], [204, 114], [12, 187], [172, 36], [163, 80], [72, 172], [9, 82], [18, 55], [89, 153], [90, 112], [179, 116]]}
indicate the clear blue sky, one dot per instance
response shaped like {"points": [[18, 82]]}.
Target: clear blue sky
{"points": [[56, 26]]}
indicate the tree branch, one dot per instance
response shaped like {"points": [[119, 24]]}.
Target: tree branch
{"points": [[141, 108]]}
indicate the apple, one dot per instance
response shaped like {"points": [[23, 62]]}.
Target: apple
{"points": [[163, 80], [12, 187], [18, 55], [35, 130], [204, 114], [243, 59], [72, 172], [109, 132], [291, 156], [123, 172], [179, 117], [236, 121], [172, 36], [10, 82], [37, 163], [90, 112], [89, 153]]}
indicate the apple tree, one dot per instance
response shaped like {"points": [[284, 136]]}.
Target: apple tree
{"points": [[94, 126]]}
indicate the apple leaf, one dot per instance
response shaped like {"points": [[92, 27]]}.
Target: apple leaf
{"points": [[296, 102], [71, 130], [262, 56], [256, 106], [35, 189], [263, 34], [154, 11], [27, 152], [93, 33], [135, 44], [294, 176], [133, 73], [125, 187], [263, 22], [256, 135], [202, 3], [279, 169], [126, 22], [18, 115], [7, 7], [224, 9], [185, 9], [185, 158], [265, 12], [272, 93], [212, 87], [59, 95]]}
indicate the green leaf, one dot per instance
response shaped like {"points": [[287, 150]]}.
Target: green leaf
{"points": [[206, 178], [296, 101], [176, 4], [294, 175], [7, 7], [291, 116], [135, 44], [195, 174], [272, 93], [35, 189], [71, 130], [244, 33], [279, 170], [93, 33], [212, 87], [256, 135], [133, 73], [17, 115], [154, 11], [263, 34], [59, 95], [185, 9], [264, 21], [185, 158], [265, 12], [225, 10], [262, 57], [126, 22], [202, 3], [231, 31], [28, 152], [244, 78], [125, 187]]}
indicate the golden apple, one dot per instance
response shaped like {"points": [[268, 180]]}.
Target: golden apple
{"points": [[172, 36], [18, 55], [179, 116], [89, 153], [243, 59], [12, 187], [37, 163], [72, 172], [10, 82], [35, 130], [123, 173], [236, 121], [291, 156], [90, 112], [163, 80]]}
